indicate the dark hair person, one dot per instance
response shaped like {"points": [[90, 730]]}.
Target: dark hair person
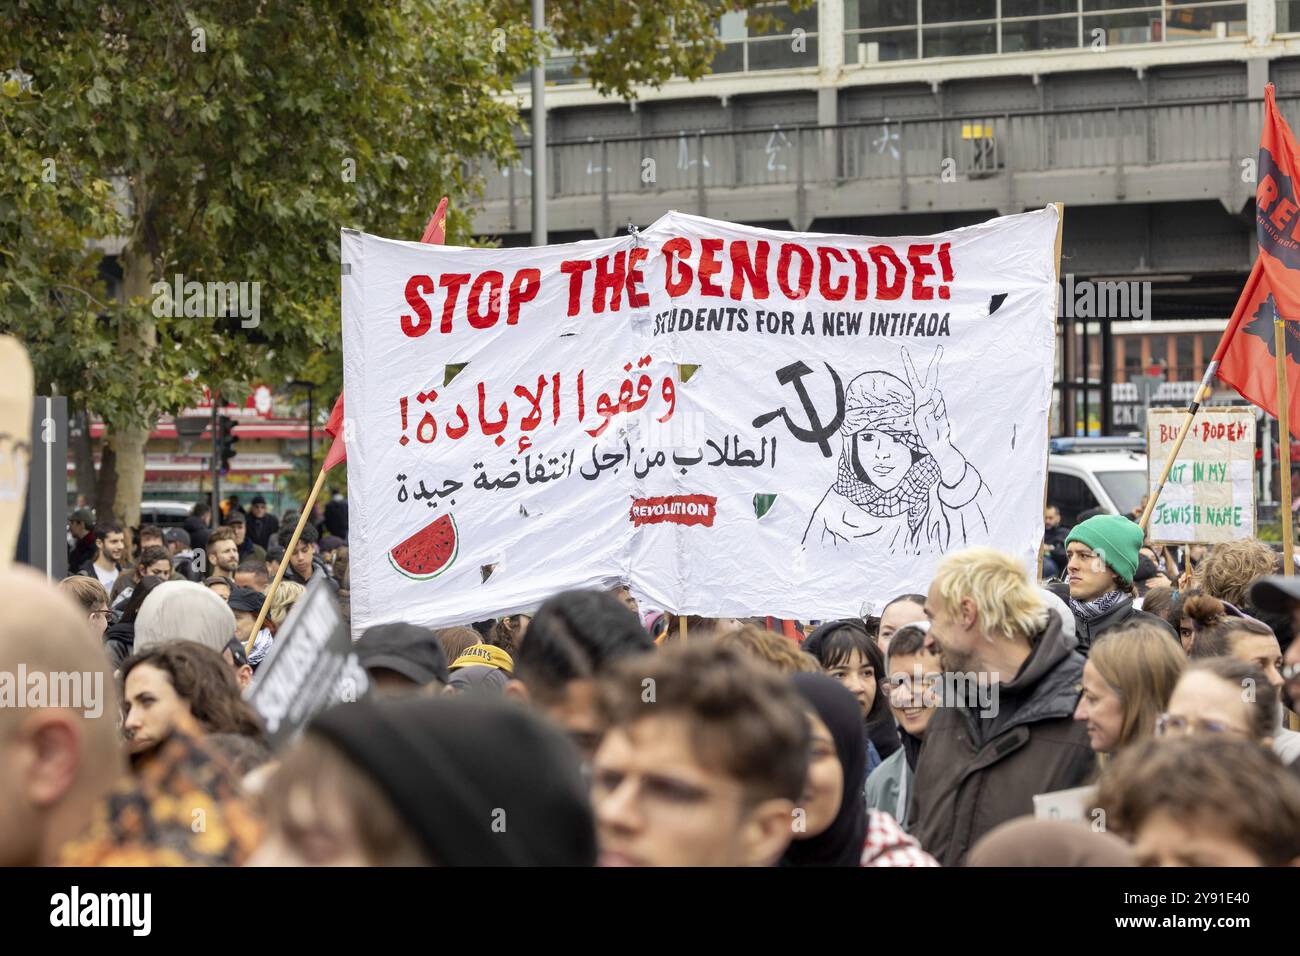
{"points": [[850, 655], [1224, 696], [899, 612], [839, 841], [838, 829], [181, 684], [1209, 800], [119, 639], [571, 639], [417, 781]]}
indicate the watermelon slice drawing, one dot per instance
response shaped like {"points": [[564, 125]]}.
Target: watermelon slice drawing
{"points": [[428, 552]]}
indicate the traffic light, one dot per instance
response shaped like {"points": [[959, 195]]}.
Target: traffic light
{"points": [[226, 440]]}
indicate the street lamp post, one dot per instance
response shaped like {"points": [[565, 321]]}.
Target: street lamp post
{"points": [[539, 128], [311, 422]]}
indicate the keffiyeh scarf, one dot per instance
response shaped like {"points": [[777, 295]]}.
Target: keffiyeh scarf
{"points": [[1091, 610], [912, 495]]}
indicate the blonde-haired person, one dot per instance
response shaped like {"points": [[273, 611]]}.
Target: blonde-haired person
{"points": [[770, 649], [1006, 730], [1229, 570], [93, 599], [1127, 682], [286, 595]]}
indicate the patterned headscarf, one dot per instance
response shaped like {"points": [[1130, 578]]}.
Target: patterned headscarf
{"points": [[880, 402]]}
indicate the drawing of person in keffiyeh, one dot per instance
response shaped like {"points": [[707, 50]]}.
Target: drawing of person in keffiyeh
{"points": [[902, 487]]}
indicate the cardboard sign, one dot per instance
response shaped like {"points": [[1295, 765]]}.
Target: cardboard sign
{"points": [[311, 666], [1073, 805], [16, 387], [1209, 496]]}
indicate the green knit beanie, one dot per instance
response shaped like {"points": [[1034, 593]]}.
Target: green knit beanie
{"points": [[1116, 540]]}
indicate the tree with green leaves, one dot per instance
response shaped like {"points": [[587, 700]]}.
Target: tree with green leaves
{"points": [[227, 141]]}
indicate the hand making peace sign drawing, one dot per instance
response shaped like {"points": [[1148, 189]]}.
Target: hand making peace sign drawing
{"points": [[931, 414]]}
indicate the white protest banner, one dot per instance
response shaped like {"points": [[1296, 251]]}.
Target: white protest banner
{"points": [[1210, 493], [733, 420], [16, 395]]}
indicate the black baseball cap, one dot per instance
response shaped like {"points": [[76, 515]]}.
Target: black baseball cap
{"points": [[245, 599], [409, 650], [258, 500], [1275, 593]]}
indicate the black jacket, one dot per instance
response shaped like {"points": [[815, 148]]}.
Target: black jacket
{"points": [[1086, 632], [81, 552], [119, 643], [1055, 539], [336, 518], [87, 570], [318, 565], [198, 531], [262, 530], [183, 564], [251, 549], [976, 772]]}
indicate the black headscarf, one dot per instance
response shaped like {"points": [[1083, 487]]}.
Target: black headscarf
{"points": [[840, 844], [481, 781]]}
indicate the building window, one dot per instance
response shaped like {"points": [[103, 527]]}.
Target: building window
{"points": [[1288, 16], [1185, 346], [882, 30], [791, 45], [1204, 21]]}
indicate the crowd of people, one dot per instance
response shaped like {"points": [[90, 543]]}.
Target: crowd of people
{"points": [[1147, 687]]}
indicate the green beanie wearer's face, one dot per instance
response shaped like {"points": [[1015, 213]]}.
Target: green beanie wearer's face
{"points": [[1115, 539]]}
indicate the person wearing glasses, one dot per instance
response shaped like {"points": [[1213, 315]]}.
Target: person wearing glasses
{"points": [[1204, 800], [1281, 595], [1127, 682], [1221, 695], [91, 596], [1224, 631], [914, 683]]}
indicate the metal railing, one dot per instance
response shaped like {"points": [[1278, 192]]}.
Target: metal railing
{"points": [[974, 146]]}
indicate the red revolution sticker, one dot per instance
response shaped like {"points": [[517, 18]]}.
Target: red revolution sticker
{"points": [[678, 509]]}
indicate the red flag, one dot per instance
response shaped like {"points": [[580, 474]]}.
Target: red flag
{"points": [[1247, 352], [1276, 207], [435, 233], [334, 428]]}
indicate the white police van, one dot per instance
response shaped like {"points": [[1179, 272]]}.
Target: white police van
{"points": [[1088, 473]]}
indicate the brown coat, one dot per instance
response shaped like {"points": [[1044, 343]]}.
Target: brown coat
{"points": [[975, 772]]}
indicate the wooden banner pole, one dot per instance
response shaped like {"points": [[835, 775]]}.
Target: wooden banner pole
{"points": [[1284, 443], [681, 627], [1060, 228], [288, 553]]}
